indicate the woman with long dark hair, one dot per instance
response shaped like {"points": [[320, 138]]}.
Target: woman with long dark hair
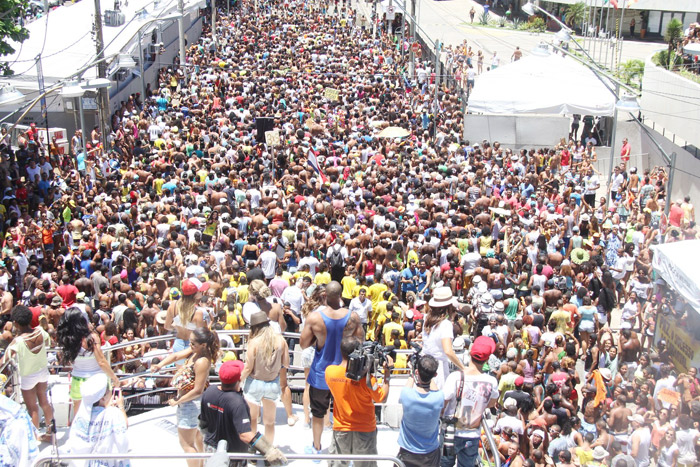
{"points": [[81, 348], [191, 380]]}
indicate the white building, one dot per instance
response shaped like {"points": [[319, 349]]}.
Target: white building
{"points": [[65, 42]]}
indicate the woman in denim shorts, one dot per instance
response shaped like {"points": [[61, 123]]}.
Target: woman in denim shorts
{"points": [[267, 356], [191, 381]]}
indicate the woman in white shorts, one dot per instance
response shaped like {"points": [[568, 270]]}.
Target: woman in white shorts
{"points": [[29, 350]]}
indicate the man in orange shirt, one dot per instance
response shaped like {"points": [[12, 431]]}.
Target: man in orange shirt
{"points": [[354, 422]]}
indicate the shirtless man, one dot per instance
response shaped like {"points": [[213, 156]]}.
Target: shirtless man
{"points": [[324, 329], [629, 350], [619, 421]]}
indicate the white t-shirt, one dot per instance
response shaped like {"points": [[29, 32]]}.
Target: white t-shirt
{"points": [[268, 263], [617, 182], [477, 393], [361, 308], [432, 345]]}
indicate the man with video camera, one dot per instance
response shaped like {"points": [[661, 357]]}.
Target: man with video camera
{"points": [[422, 404], [354, 394]]}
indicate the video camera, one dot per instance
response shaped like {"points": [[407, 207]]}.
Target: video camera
{"points": [[365, 360]]}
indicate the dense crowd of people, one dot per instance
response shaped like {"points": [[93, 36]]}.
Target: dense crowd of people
{"points": [[509, 269]]}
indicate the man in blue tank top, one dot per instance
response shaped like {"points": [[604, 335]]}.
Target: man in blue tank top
{"points": [[325, 327]]}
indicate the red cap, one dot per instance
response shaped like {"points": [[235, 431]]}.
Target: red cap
{"points": [[482, 348], [519, 381], [192, 286], [230, 372], [193, 221]]}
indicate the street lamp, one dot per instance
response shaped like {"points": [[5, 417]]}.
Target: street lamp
{"points": [[9, 95], [542, 50]]}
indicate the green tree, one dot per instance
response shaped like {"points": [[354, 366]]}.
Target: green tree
{"points": [[631, 71], [674, 34], [575, 14], [11, 28]]}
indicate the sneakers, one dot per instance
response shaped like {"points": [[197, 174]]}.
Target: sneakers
{"points": [[311, 450], [291, 421]]}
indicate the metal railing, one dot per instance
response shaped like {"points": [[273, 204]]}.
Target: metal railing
{"points": [[12, 379], [492, 443], [43, 461]]}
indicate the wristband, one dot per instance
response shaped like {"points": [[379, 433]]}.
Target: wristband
{"points": [[256, 438]]}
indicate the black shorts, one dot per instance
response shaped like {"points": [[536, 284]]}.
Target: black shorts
{"points": [[320, 401], [431, 459]]}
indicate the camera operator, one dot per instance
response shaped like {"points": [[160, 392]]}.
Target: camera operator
{"points": [[225, 415], [422, 403], [354, 420], [468, 394]]}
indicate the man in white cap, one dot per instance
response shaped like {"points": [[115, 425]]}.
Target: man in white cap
{"points": [[640, 440], [510, 417]]}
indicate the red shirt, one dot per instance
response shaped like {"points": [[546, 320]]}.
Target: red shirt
{"points": [[675, 214], [67, 292], [36, 314]]}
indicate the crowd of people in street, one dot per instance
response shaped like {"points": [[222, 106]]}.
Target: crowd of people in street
{"points": [[253, 194]]}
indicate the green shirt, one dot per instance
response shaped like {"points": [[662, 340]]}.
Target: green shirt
{"points": [[67, 215]]}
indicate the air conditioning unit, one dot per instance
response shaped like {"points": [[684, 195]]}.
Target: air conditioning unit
{"points": [[114, 18], [121, 75]]}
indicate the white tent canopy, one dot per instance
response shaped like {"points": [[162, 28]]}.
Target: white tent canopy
{"points": [[541, 85], [679, 266]]}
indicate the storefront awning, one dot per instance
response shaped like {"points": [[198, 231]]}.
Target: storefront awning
{"points": [[678, 265]]}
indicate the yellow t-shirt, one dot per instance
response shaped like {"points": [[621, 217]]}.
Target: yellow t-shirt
{"points": [[299, 275], [388, 327], [234, 320], [158, 184], [243, 293], [349, 283], [236, 281], [322, 278], [376, 293]]}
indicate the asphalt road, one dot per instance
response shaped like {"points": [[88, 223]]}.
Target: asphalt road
{"points": [[449, 22]]}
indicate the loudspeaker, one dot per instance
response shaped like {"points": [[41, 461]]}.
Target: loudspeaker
{"points": [[263, 124]]}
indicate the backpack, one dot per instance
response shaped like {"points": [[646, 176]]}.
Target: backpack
{"points": [[336, 259]]}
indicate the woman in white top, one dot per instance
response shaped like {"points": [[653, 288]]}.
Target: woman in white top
{"points": [[81, 348], [29, 349], [668, 450], [184, 316], [438, 333], [686, 438]]}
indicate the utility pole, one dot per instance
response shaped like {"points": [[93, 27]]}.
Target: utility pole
{"points": [[181, 35], [143, 78], [374, 19], [213, 22], [412, 56], [102, 93], [438, 46], [44, 108]]}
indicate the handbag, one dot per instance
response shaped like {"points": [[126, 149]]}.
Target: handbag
{"points": [[183, 379]]}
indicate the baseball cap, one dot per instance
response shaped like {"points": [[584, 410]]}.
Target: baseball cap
{"points": [[191, 286], [519, 381], [230, 372], [509, 403], [482, 348], [636, 418]]}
